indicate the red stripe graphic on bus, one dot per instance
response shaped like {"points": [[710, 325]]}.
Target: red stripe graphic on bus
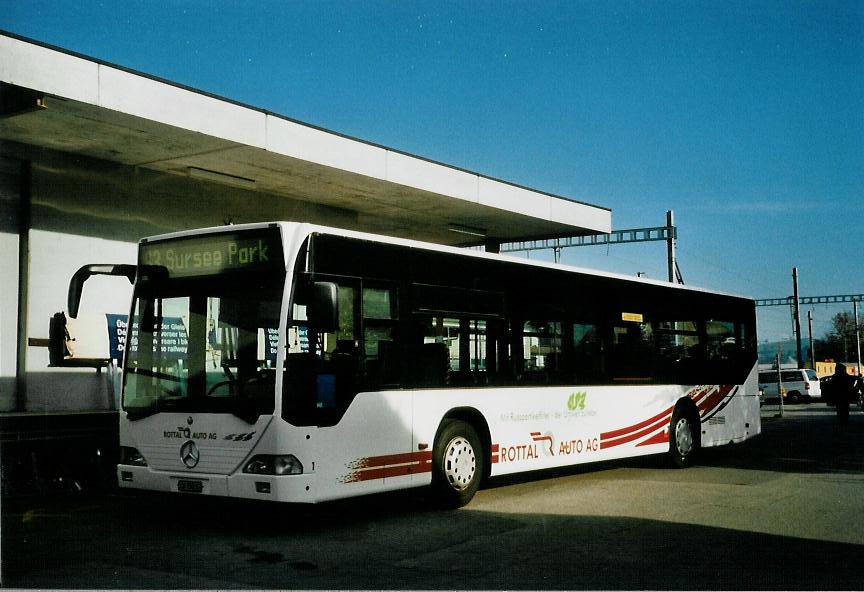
{"points": [[706, 398], [389, 465], [714, 399], [496, 457], [661, 437], [660, 424], [620, 432]]}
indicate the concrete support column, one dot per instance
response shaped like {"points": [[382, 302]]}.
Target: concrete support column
{"points": [[24, 223]]}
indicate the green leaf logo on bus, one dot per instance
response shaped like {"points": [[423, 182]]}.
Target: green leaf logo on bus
{"points": [[576, 402]]}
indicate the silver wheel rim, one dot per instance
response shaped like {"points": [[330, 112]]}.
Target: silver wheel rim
{"points": [[683, 437], [460, 466]]}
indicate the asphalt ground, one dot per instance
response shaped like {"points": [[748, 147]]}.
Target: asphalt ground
{"points": [[784, 511]]}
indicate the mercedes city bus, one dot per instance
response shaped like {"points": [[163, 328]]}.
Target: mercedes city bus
{"points": [[300, 363]]}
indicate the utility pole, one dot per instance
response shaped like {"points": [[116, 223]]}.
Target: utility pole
{"points": [[810, 333], [797, 309], [670, 247], [857, 335], [779, 381]]}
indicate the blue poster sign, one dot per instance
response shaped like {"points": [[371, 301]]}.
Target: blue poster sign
{"points": [[116, 335]]}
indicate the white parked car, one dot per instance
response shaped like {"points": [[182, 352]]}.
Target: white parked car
{"points": [[798, 385]]}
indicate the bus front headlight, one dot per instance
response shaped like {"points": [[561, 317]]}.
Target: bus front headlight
{"points": [[267, 464], [131, 456]]}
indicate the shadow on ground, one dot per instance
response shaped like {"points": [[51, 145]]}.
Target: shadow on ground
{"points": [[397, 541], [394, 542]]}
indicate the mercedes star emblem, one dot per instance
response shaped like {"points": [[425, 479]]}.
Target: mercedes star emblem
{"points": [[189, 454]]}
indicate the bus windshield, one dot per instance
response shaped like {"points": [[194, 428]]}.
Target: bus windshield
{"points": [[204, 340], [211, 347]]}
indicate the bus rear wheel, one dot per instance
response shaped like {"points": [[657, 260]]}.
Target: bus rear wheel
{"points": [[683, 438], [457, 464]]}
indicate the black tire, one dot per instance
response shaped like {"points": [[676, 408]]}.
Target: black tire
{"points": [[683, 438], [794, 397], [458, 463]]}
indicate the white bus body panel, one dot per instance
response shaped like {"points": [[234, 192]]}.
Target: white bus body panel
{"points": [[385, 440], [535, 428]]}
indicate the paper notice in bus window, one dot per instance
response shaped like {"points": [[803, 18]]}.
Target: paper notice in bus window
{"points": [[633, 317]]}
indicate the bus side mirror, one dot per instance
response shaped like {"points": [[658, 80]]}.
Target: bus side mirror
{"points": [[323, 308], [76, 284]]}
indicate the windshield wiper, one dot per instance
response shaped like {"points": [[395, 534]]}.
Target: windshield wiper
{"points": [[136, 413], [146, 372]]}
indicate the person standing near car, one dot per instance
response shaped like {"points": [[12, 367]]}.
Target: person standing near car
{"points": [[843, 387]]}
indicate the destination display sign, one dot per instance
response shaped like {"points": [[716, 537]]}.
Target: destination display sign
{"points": [[255, 250]]}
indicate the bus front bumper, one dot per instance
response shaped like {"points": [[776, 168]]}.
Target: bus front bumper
{"points": [[283, 488]]}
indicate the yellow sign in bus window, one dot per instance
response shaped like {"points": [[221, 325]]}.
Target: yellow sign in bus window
{"points": [[633, 317]]}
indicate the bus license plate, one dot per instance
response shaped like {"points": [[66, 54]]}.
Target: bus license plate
{"points": [[187, 486]]}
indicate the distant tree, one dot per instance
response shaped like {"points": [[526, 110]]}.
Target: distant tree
{"points": [[839, 343]]}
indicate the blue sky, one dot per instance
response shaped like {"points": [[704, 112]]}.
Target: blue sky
{"points": [[745, 118]]}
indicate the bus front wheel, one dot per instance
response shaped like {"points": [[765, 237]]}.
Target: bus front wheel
{"points": [[683, 438], [457, 464]]}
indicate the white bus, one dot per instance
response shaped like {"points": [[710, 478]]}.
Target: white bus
{"points": [[301, 363]]}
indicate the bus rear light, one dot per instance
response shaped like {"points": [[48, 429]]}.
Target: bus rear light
{"points": [[266, 464], [131, 456]]}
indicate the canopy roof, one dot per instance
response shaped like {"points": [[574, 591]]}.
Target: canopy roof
{"points": [[60, 110]]}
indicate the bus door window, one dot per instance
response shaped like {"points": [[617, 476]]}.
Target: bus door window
{"points": [[321, 366], [381, 358], [300, 397]]}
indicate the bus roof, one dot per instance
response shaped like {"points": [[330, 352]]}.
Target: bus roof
{"points": [[306, 228]]}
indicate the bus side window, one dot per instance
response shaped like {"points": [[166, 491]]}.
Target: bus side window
{"points": [[722, 340], [425, 366], [542, 351], [680, 352], [586, 359], [632, 352]]}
